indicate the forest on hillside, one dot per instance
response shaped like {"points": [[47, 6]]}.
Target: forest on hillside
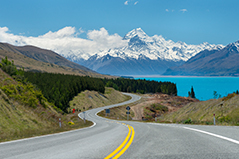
{"points": [[60, 89]]}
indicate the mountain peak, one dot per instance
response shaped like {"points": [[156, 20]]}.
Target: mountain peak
{"points": [[135, 32], [233, 46]]}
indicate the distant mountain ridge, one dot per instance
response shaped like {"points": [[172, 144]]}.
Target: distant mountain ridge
{"points": [[41, 60], [221, 62], [143, 55], [42, 55]]}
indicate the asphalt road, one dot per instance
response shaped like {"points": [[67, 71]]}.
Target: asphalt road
{"points": [[149, 141]]}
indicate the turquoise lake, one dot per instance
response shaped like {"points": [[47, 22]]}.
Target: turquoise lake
{"points": [[203, 86]]}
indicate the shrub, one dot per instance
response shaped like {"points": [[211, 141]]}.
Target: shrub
{"points": [[71, 123], [25, 94], [188, 121], [159, 107], [229, 96], [225, 119]]}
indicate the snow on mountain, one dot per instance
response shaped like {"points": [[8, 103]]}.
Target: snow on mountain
{"points": [[223, 62], [155, 47]]}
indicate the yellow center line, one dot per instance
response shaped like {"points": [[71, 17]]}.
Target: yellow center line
{"points": [[126, 143]]}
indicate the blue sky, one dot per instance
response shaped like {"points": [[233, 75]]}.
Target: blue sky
{"points": [[190, 21]]}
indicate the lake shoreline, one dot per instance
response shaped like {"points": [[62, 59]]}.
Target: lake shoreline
{"points": [[171, 76], [204, 87]]}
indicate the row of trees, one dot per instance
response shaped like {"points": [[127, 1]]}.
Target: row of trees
{"points": [[141, 86]]}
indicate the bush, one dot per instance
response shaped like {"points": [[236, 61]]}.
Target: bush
{"points": [[229, 96], [188, 121], [25, 94], [159, 107], [225, 119], [71, 123]]}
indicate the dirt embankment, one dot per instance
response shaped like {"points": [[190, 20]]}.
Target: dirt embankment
{"points": [[156, 105]]}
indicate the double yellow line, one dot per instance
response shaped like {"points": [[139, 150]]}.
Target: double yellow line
{"points": [[124, 146]]}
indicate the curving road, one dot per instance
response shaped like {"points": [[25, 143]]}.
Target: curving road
{"points": [[149, 140]]}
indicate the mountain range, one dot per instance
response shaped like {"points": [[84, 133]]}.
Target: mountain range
{"points": [[221, 62], [142, 55]]}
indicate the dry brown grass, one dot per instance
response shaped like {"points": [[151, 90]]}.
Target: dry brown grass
{"points": [[30, 64], [226, 112]]}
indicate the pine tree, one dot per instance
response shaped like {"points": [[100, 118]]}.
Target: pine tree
{"points": [[192, 93]]}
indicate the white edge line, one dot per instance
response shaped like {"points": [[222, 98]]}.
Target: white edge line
{"points": [[36, 137], [215, 135]]}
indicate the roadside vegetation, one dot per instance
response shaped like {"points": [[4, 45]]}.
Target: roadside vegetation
{"points": [[226, 112], [25, 112], [181, 110]]}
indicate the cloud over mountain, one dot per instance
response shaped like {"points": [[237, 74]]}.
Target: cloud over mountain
{"points": [[66, 40]]}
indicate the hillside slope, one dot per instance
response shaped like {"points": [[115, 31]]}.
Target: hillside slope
{"points": [[31, 64], [226, 112], [22, 115], [42, 55], [91, 99]]}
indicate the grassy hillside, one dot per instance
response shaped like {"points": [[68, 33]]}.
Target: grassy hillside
{"points": [[22, 114], [226, 111], [91, 99], [31, 64]]}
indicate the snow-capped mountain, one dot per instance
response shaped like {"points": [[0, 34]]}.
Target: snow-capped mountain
{"points": [[141, 55], [222, 62]]}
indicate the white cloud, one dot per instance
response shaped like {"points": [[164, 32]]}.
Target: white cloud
{"points": [[66, 40], [104, 40], [131, 2], [166, 10], [183, 10], [81, 31], [65, 32]]}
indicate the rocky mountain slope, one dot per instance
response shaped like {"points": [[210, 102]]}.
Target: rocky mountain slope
{"points": [[142, 55], [219, 62]]}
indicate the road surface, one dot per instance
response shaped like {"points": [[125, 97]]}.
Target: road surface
{"points": [[109, 138]]}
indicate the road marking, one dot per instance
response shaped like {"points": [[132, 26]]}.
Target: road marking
{"points": [[124, 146], [215, 135]]}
